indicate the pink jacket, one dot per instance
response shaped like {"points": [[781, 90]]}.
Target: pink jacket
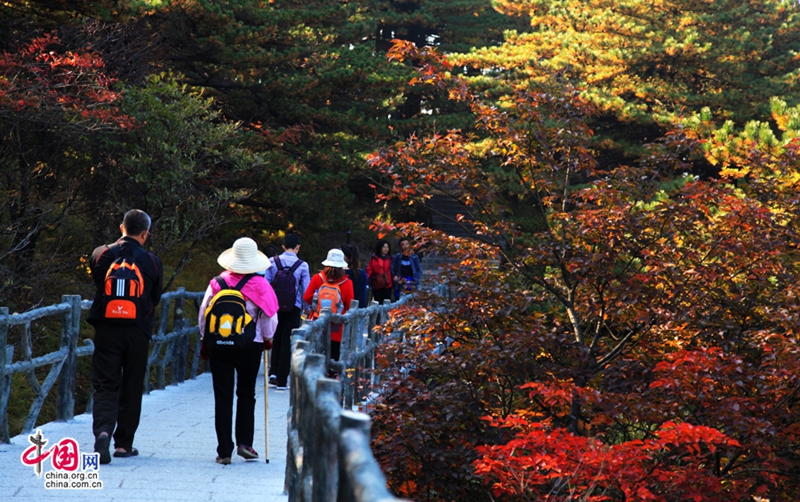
{"points": [[258, 295]]}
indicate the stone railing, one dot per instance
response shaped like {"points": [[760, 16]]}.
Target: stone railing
{"points": [[168, 353], [339, 464], [169, 350], [63, 362], [328, 452]]}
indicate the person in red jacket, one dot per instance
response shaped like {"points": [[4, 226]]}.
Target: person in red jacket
{"points": [[332, 274], [379, 272]]}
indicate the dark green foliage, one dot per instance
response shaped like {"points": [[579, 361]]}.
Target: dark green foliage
{"points": [[311, 95]]}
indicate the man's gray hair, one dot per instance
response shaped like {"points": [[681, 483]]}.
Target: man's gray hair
{"points": [[135, 222]]}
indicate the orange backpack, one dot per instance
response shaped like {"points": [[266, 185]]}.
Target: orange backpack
{"points": [[329, 296], [124, 288]]}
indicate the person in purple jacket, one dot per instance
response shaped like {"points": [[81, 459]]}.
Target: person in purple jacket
{"points": [[281, 357]]}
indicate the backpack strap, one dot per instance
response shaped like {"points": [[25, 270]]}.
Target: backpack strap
{"points": [[278, 262], [243, 281], [115, 251], [221, 282], [296, 264], [239, 285], [326, 281]]}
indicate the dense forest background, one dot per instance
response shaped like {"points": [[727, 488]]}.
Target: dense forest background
{"points": [[624, 324], [217, 118]]}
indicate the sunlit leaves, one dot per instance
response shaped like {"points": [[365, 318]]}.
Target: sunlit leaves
{"points": [[43, 83], [625, 323], [547, 460]]}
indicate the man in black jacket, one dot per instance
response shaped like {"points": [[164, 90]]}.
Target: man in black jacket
{"points": [[121, 346]]}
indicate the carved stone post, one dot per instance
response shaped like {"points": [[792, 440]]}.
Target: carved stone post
{"points": [[313, 369], [299, 353], [5, 380], [325, 336], [347, 352], [355, 457], [68, 378], [197, 344], [178, 360], [373, 337], [325, 464]]}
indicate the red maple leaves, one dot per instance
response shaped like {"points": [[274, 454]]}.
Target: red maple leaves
{"points": [[628, 333], [43, 81]]}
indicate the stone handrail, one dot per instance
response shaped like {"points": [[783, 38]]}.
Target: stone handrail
{"points": [[166, 349], [328, 452], [171, 348], [63, 362], [339, 460]]}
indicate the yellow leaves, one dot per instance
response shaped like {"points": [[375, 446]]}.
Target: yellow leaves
{"points": [[84, 265], [734, 173], [685, 22], [790, 179]]}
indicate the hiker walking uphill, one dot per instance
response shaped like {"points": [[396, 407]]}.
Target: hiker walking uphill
{"points": [[331, 289], [379, 271], [406, 268], [289, 277], [129, 284], [237, 318]]}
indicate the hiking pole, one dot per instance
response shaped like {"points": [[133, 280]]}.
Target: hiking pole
{"points": [[266, 403]]}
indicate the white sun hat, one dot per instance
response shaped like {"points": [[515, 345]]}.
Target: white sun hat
{"points": [[244, 257], [335, 259]]}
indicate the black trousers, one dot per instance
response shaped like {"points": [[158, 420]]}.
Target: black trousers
{"points": [[240, 366], [382, 294], [118, 366], [280, 363]]}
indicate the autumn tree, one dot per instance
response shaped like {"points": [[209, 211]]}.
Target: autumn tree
{"points": [[79, 149], [448, 26], [53, 103], [305, 78], [644, 64], [635, 341]]}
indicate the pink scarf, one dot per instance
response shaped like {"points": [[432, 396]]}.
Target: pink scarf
{"points": [[257, 290]]}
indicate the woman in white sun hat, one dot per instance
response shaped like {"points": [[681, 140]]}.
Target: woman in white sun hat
{"points": [[242, 262], [323, 286]]}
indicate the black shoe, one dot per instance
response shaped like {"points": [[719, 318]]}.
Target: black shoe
{"points": [[101, 446], [126, 452]]}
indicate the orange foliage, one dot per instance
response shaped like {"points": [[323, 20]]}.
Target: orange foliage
{"points": [[621, 334]]}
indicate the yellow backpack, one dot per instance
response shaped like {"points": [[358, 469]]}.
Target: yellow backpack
{"points": [[228, 325]]}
